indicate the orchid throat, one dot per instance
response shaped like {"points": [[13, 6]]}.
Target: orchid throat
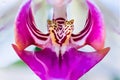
{"points": [[60, 31]]}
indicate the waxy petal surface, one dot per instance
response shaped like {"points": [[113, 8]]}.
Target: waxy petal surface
{"points": [[26, 32], [22, 34], [94, 31], [29, 58], [71, 66], [96, 37]]}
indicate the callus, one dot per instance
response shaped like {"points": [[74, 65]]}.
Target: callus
{"points": [[60, 58]]}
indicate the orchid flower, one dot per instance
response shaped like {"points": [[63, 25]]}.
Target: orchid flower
{"points": [[60, 58]]}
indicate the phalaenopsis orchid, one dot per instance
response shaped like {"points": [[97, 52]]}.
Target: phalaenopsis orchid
{"points": [[59, 57]]}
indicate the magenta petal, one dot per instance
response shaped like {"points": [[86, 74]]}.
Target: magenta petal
{"points": [[71, 66], [29, 58], [94, 32], [26, 31], [81, 62], [22, 34], [96, 38]]}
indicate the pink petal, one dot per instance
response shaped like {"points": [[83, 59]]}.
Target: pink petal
{"points": [[94, 31], [29, 58], [71, 66], [81, 62], [22, 34], [96, 38], [26, 32]]}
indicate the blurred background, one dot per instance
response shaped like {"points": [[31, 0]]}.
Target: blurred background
{"points": [[12, 68]]}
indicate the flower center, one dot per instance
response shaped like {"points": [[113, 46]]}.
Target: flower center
{"points": [[60, 31]]}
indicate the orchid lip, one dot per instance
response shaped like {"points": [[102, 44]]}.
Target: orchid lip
{"points": [[59, 57]]}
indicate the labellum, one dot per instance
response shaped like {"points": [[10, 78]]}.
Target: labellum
{"points": [[59, 57]]}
